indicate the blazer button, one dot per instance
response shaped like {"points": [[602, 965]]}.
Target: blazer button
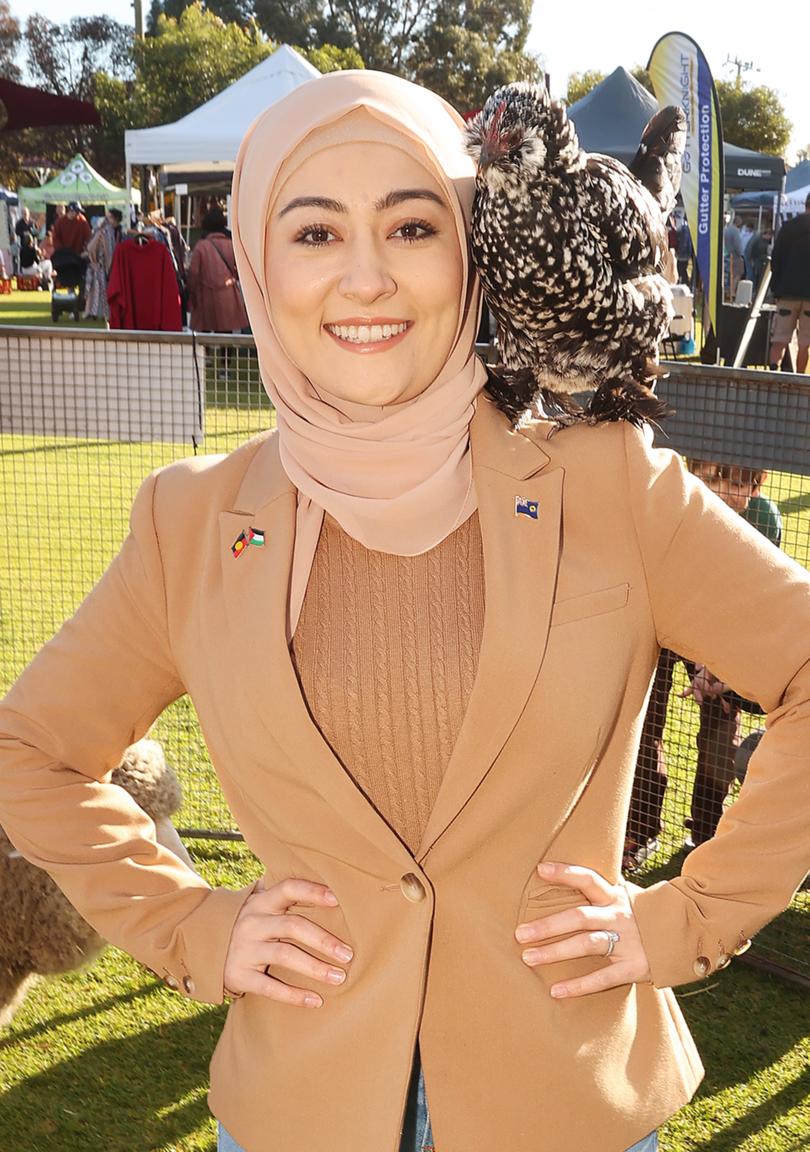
{"points": [[742, 947], [188, 985], [172, 982], [702, 966], [412, 887]]}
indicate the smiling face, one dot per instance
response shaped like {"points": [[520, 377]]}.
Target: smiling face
{"points": [[364, 272]]}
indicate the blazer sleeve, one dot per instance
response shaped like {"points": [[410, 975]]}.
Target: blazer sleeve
{"points": [[722, 594], [95, 688]]}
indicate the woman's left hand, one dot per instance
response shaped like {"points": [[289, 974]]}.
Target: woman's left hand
{"points": [[605, 917]]}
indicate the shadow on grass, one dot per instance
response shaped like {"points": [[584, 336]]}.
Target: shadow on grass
{"points": [[756, 1119], [22, 1035], [137, 1094]]}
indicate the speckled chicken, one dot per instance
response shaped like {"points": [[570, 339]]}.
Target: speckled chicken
{"points": [[571, 247]]}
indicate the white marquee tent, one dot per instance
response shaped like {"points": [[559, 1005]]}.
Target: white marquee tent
{"points": [[207, 139]]}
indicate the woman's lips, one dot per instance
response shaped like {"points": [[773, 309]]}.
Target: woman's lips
{"points": [[366, 338]]}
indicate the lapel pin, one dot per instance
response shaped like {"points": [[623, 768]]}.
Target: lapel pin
{"points": [[524, 507], [254, 536]]}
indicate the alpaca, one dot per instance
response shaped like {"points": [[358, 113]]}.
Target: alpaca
{"points": [[41, 933]]}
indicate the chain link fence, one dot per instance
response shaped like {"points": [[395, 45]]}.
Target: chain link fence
{"points": [[84, 416]]}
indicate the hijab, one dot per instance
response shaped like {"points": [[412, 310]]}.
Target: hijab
{"points": [[397, 478]]}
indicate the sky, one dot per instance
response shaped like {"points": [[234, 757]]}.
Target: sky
{"points": [[585, 34]]}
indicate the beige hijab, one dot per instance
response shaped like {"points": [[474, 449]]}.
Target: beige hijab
{"points": [[398, 478]]}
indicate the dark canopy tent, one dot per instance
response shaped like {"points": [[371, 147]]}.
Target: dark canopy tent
{"points": [[798, 177], [612, 116], [22, 107]]}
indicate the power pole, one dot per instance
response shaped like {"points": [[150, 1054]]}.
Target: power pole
{"points": [[138, 6], [735, 62]]}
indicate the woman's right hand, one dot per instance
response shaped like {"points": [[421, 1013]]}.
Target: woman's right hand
{"points": [[266, 932]]}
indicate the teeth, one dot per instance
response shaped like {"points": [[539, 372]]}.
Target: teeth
{"points": [[366, 333]]}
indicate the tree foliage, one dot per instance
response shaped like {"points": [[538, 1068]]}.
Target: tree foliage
{"points": [[753, 117], [581, 83], [190, 59], [460, 48], [10, 37]]}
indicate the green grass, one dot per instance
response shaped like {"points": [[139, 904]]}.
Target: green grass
{"points": [[106, 1059], [34, 308]]}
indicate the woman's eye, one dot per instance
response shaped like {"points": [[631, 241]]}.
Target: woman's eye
{"points": [[314, 236], [414, 230]]}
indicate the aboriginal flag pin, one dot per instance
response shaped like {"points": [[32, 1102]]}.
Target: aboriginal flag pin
{"points": [[254, 536], [524, 507]]}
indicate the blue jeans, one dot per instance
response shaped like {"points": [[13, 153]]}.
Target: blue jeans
{"points": [[417, 1135]]}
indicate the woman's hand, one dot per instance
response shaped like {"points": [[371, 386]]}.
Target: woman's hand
{"points": [[267, 933], [607, 910]]}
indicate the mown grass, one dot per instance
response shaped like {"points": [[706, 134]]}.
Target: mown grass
{"points": [[106, 1059], [34, 308]]}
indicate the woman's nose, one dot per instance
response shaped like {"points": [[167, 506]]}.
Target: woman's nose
{"points": [[366, 276]]}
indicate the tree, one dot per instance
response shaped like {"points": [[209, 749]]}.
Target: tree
{"points": [[64, 58], [330, 58], [190, 59], [581, 83], [10, 37], [753, 117], [470, 48]]}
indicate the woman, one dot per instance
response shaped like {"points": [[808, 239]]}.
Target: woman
{"points": [[32, 261], [100, 252], [419, 645], [213, 281]]}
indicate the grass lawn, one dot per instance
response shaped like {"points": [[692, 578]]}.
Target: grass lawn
{"points": [[34, 308], [107, 1060]]}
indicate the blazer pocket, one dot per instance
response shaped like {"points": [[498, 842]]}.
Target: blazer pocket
{"points": [[591, 604]]}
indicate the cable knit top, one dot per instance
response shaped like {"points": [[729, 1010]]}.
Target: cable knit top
{"points": [[386, 652]]}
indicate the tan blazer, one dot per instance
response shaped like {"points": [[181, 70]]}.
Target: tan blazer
{"points": [[627, 552]]}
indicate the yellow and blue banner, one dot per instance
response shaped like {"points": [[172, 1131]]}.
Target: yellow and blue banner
{"points": [[681, 75]]}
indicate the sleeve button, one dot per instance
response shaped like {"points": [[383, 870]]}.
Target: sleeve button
{"points": [[702, 966], [723, 960], [742, 947], [172, 982], [188, 985]]}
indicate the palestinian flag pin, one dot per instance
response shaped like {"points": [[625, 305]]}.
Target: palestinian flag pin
{"points": [[253, 536]]}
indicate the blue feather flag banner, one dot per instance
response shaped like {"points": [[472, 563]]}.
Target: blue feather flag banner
{"points": [[681, 75], [524, 507]]}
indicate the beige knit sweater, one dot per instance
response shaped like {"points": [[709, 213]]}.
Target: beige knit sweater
{"points": [[386, 652]]}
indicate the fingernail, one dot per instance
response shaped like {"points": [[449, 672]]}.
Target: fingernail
{"points": [[532, 956], [558, 991], [523, 933], [312, 1001], [330, 897], [545, 869], [335, 976], [343, 952]]}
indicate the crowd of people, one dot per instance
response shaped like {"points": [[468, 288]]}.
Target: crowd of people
{"points": [[155, 281]]}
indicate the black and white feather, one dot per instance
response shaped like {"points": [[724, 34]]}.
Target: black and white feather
{"points": [[571, 247]]}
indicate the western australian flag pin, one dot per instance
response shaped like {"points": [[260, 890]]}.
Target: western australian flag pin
{"points": [[524, 507]]}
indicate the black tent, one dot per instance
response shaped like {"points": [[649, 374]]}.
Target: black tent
{"points": [[612, 116], [798, 177]]}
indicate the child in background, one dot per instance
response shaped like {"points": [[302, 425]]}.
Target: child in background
{"points": [[719, 734]]}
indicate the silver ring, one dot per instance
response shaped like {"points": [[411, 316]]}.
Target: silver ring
{"points": [[613, 940]]}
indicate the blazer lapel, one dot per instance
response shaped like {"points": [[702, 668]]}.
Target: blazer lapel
{"points": [[521, 555], [256, 584]]}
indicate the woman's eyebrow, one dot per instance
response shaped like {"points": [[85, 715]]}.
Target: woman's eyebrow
{"points": [[390, 200]]}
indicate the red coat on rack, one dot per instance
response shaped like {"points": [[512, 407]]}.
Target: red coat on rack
{"points": [[142, 289]]}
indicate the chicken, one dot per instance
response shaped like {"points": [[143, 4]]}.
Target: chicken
{"points": [[571, 248]]}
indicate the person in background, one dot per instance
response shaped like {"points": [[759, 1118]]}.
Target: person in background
{"points": [[756, 255], [790, 264], [100, 251], [213, 281], [25, 226], [72, 230], [733, 257], [33, 263], [719, 734]]}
